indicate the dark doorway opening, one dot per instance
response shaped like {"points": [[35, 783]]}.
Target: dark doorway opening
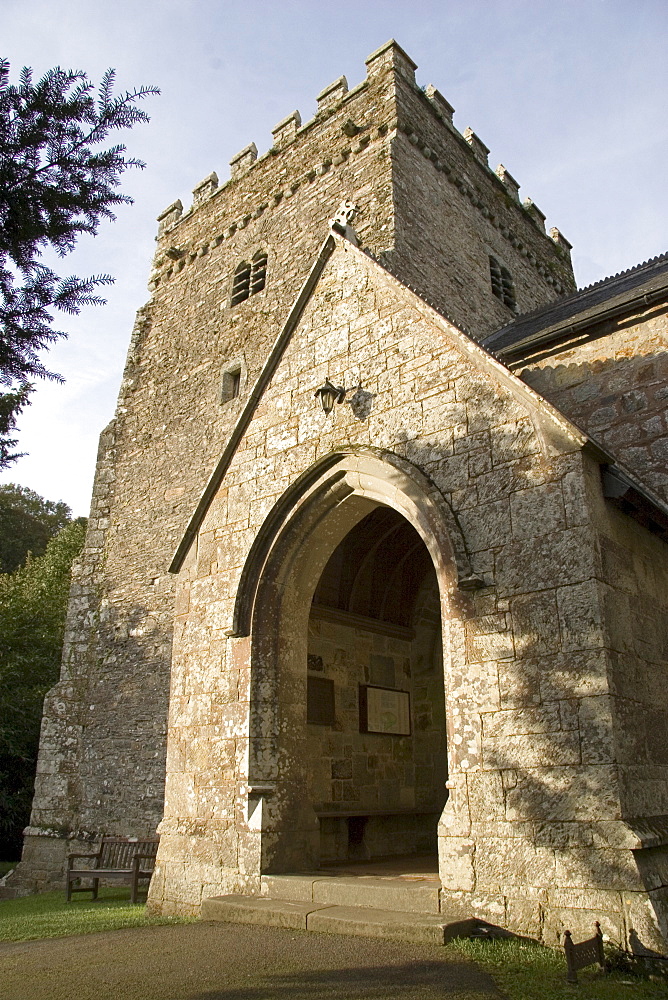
{"points": [[378, 758]]}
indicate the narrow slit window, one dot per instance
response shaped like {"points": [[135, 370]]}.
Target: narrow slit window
{"points": [[258, 272], [231, 385], [241, 283], [502, 283]]}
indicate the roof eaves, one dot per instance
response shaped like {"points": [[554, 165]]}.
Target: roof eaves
{"points": [[635, 499], [577, 324], [550, 324]]}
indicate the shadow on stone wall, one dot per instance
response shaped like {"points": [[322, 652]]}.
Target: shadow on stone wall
{"points": [[621, 402], [549, 737]]}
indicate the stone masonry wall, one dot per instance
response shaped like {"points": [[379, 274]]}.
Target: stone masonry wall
{"points": [[532, 835], [452, 212], [616, 388], [102, 760], [354, 770]]}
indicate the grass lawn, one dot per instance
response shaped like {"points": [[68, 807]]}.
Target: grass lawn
{"points": [[525, 971], [521, 970], [6, 866], [48, 915]]}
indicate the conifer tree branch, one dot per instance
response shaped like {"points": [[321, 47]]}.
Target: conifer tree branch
{"points": [[56, 184]]}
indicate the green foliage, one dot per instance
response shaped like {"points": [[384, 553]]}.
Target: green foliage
{"points": [[525, 970], [27, 522], [55, 184], [11, 405], [48, 915], [33, 605]]}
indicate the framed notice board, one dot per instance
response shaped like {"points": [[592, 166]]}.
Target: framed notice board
{"points": [[384, 710]]}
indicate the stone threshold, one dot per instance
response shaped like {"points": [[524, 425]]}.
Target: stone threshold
{"points": [[324, 918]]}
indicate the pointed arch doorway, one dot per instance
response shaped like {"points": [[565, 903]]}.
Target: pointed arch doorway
{"points": [[345, 598]]}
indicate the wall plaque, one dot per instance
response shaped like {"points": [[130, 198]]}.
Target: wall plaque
{"points": [[384, 710]]}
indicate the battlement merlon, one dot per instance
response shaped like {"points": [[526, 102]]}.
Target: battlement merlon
{"points": [[480, 150], [244, 159], [442, 107], [169, 216], [511, 185], [205, 188], [391, 56], [332, 94], [561, 241], [286, 129], [534, 212]]}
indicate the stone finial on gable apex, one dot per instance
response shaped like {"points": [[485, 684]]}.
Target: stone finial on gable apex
{"points": [[533, 210], [240, 163], [480, 150], [332, 94], [442, 107], [508, 181], [391, 55], [170, 215], [205, 188], [286, 129], [341, 222]]}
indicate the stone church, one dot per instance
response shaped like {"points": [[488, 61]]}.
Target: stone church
{"points": [[377, 560]]}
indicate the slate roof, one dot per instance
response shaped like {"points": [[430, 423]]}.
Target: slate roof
{"points": [[573, 316]]}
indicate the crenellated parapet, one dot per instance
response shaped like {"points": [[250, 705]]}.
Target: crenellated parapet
{"points": [[388, 58], [303, 153]]}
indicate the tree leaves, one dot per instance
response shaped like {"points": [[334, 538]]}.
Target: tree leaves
{"points": [[55, 185], [33, 606], [27, 522], [11, 405]]}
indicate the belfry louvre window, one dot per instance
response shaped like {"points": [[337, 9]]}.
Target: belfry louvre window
{"points": [[258, 272], [241, 283], [502, 283], [249, 278]]}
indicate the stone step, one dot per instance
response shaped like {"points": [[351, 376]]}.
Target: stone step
{"points": [[369, 891], [362, 921]]}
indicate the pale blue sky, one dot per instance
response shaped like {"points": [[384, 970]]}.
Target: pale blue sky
{"points": [[570, 96]]}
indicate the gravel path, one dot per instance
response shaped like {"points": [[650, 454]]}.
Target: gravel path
{"points": [[217, 961]]}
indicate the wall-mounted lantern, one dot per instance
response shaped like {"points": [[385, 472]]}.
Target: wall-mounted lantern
{"points": [[330, 394]]}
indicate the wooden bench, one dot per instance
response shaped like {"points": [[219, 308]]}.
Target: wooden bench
{"points": [[126, 859]]}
